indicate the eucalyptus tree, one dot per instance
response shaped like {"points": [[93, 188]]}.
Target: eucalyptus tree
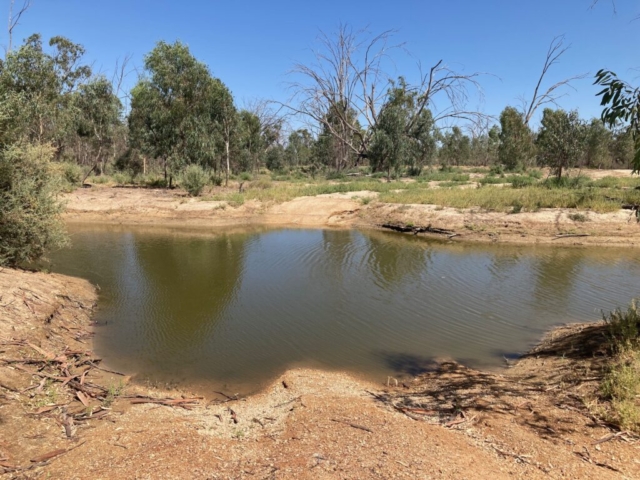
{"points": [[456, 147], [39, 89], [179, 113], [298, 150], [404, 132], [250, 140], [344, 90], [621, 102], [561, 140], [516, 140], [598, 145], [99, 123]]}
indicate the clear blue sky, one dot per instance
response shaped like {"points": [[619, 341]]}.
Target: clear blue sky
{"points": [[251, 45]]}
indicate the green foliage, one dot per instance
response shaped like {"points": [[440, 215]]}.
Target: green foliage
{"points": [[561, 140], [403, 134], [30, 223], [194, 179], [275, 158], [516, 140], [578, 217], [599, 140], [72, 173], [176, 108], [621, 384], [566, 182], [621, 104], [456, 148], [521, 181], [623, 327]]}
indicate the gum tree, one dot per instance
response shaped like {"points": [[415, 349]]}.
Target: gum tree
{"points": [[561, 140]]}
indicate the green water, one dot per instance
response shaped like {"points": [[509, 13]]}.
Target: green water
{"points": [[235, 309]]}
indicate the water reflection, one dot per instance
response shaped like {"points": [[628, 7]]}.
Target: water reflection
{"points": [[238, 308]]}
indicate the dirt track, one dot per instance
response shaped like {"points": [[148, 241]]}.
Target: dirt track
{"points": [[137, 206]]}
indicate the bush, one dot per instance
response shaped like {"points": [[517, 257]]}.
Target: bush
{"points": [[522, 181], [497, 169], [30, 222], [566, 182], [535, 173], [72, 173], [215, 180], [194, 180], [623, 327], [121, 178]]}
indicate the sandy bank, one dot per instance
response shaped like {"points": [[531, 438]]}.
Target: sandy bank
{"points": [[137, 206]]}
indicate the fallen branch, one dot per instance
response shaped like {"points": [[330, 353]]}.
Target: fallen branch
{"points": [[353, 425], [186, 403], [571, 235], [55, 453], [417, 229]]}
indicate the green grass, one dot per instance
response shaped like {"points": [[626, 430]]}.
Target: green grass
{"points": [[529, 198], [443, 176], [527, 194], [621, 384], [616, 182]]}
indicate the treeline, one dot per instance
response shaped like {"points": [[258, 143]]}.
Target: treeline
{"points": [[181, 115]]}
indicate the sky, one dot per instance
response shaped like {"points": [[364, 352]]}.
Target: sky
{"points": [[251, 46]]}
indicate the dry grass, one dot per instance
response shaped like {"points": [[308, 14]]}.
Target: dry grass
{"points": [[621, 385], [530, 198], [528, 192]]}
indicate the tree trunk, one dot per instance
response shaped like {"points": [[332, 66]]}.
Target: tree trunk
{"points": [[226, 148], [165, 171]]}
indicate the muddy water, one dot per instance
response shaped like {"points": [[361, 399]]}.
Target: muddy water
{"points": [[235, 309]]}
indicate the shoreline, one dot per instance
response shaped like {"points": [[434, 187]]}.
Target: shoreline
{"points": [[143, 207]]}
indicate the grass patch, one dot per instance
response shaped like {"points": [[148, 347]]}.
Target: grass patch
{"points": [[616, 182], [621, 384], [530, 198], [443, 176]]}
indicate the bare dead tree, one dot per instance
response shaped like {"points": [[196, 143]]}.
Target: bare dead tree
{"points": [[551, 95], [120, 73], [271, 120], [613, 5], [14, 19], [346, 86]]}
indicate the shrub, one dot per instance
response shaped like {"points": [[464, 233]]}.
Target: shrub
{"points": [[245, 176], [338, 176], [194, 180], [522, 181], [30, 222], [578, 217], [497, 169], [566, 182], [215, 180], [623, 327], [72, 173], [121, 178], [261, 183]]}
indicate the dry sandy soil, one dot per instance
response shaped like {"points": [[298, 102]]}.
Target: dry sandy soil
{"points": [[140, 206], [63, 415]]}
